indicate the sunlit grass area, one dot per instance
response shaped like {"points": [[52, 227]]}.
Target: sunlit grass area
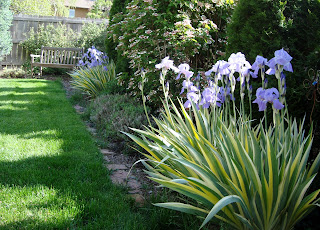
{"points": [[52, 174]]}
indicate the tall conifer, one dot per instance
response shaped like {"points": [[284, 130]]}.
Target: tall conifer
{"points": [[5, 23]]}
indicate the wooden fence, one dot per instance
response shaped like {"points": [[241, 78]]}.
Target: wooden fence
{"points": [[21, 25]]}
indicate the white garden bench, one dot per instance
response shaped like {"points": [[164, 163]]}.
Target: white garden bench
{"points": [[57, 57]]}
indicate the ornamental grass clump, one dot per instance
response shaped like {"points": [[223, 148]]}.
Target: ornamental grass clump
{"points": [[249, 176], [93, 73]]}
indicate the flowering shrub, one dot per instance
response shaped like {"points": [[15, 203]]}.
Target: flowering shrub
{"points": [[150, 30], [249, 176]]}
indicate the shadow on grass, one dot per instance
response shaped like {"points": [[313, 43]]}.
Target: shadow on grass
{"points": [[75, 172]]}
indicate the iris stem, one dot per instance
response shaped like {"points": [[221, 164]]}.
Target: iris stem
{"points": [[144, 104]]}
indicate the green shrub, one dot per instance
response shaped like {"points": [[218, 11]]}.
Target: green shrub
{"points": [[113, 87], [147, 31], [261, 26], [60, 36], [43, 8], [13, 73], [92, 34], [100, 9], [254, 28], [5, 23], [118, 7], [113, 114], [93, 81], [51, 35]]}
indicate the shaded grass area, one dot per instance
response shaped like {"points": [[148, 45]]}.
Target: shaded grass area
{"points": [[52, 174]]}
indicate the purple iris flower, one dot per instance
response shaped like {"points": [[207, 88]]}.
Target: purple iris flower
{"points": [[93, 58], [281, 58], [189, 86], [192, 97], [198, 77], [238, 62], [265, 83], [184, 69], [283, 78], [166, 64], [224, 92], [210, 96], [221, 68], [268, 95], [259, 63]]}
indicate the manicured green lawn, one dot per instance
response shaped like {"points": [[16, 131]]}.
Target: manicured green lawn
{"points": [[51, 172]]}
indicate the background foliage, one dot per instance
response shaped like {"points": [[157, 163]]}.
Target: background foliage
{"points": [[5, 23], [262, 26], [100, 9], [147, 31], [41, 8], [60, 36]]}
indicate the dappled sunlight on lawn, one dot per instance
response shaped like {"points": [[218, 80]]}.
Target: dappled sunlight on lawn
{"points": [[38, 143], [35, 203]]}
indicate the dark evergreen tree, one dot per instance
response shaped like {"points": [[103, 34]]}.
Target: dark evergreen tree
{"points": [[254, 28], [259, 27], [302, 38], [5, 23], [118, 6]]}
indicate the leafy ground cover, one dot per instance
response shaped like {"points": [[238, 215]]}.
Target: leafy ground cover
{"points": [[51, 172]]}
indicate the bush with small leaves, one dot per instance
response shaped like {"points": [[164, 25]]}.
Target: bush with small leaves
{"points": [[113, 114]]}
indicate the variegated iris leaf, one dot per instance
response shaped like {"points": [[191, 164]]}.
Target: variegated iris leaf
{"points": [[248, 177]]}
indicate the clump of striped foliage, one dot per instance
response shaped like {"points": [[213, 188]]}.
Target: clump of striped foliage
{"points": [[249, 176]]}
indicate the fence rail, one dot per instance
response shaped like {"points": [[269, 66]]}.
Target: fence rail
{"points": [[22, 24]]}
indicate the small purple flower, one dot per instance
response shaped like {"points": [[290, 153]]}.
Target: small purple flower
{"points": [[259, 63], [224, 92], [166, 64], [167, 86], [283, 78], [265, 83], [221, 68], [198, 77], [238, 62], [192, 97], [268, 95], [184, 69], [281, 58], [186, 84], [210, 96], [93, 58]]}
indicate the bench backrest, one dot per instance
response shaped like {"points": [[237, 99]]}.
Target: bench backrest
{"points": [[56, 55]]}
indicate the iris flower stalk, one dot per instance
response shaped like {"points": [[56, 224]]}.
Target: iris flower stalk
{"points": [[141, 86]]}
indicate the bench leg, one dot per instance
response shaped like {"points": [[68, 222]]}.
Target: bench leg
{"points": [[31, 69]]}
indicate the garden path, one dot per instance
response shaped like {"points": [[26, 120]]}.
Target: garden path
{"points": [[121, 166]]}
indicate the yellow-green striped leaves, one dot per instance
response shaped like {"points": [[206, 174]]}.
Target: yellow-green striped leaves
{"points": [[249, 177], [93, 80]]}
